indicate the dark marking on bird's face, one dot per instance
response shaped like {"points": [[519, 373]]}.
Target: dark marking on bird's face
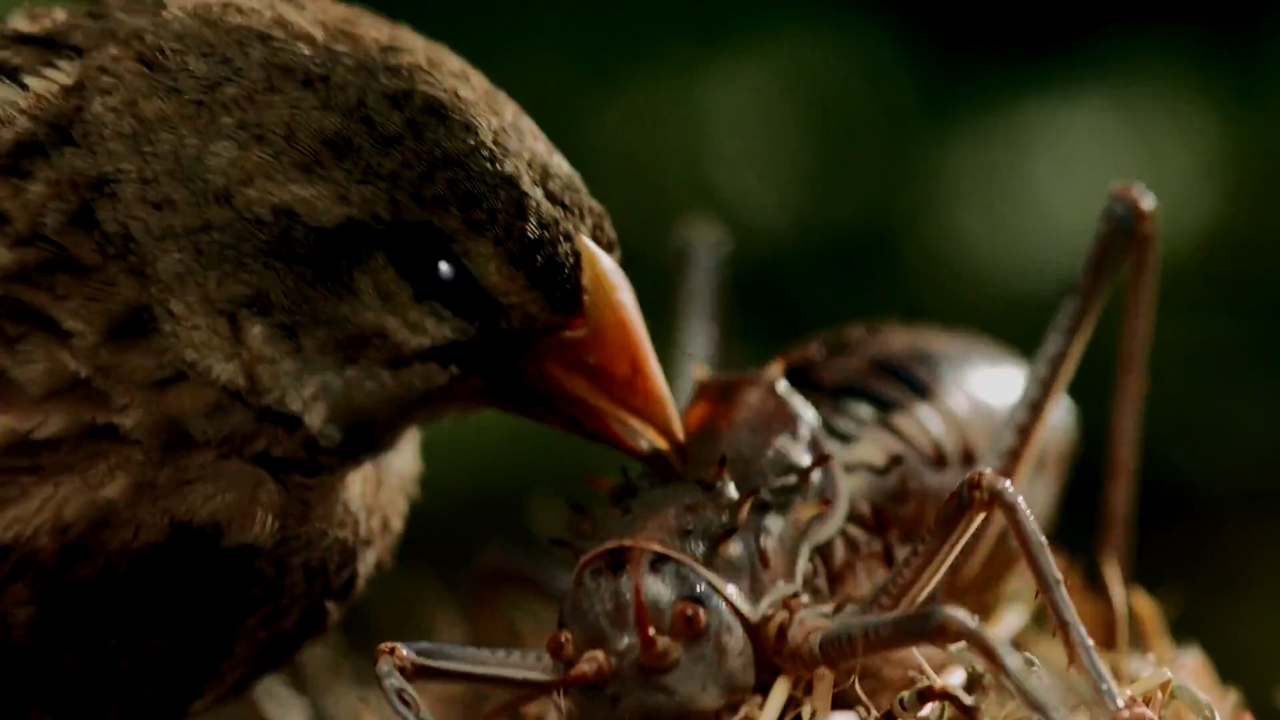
{"points": [[424, 256], [418, 254]]}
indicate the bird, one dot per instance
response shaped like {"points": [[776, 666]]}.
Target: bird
{"points": [[247, 248]]}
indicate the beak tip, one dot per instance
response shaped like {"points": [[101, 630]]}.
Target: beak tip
{"points": [[601, 378]]}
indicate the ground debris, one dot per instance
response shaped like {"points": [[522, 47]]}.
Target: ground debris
{"points": [[1176, 680]]}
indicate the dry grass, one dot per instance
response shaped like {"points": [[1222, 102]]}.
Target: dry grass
{"points": [[1177, 680]]}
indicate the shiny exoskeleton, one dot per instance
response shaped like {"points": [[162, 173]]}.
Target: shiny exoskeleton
{"points": [[897, 414], [833, 506]]}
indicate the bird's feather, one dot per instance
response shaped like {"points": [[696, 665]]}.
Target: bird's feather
{"points": [[210, 338]]}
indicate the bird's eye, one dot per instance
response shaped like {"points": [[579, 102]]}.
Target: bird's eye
{"points": [[445, 270], [423, 255]]}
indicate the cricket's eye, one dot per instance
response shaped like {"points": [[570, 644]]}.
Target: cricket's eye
{"points": [[688, 620], [561, 648]]}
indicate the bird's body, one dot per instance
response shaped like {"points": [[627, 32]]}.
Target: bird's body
{"points": [[244, 247]]}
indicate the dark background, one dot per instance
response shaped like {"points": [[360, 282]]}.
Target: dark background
{"points": [[925, 164], [934, 164]]}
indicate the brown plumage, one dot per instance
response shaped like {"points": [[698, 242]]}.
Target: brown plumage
{"points": [[245, 245]]}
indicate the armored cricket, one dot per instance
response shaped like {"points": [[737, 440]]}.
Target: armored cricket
{"points": [[864, 493]]}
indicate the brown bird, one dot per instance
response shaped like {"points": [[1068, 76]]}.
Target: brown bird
{"points": [[245, 247]]}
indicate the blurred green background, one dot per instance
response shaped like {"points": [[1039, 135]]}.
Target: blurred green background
{"points": [[922, 163]]}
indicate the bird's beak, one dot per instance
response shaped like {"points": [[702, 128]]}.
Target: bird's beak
{"points": [[601, 379]]}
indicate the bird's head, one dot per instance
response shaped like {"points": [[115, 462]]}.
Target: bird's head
{"points": [[381, 232]]}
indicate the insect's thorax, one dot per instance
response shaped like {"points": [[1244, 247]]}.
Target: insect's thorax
{"points": [[907, 410], [861, 434]]}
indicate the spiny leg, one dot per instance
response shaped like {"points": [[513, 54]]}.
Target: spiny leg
{"points": [[1126, 232], [1137, 325], [532, 671], [398, 664], [706, 242], [855, 637], [1126, 226], [1120, 479], [982, 491], [1137, 328], [1129, 394]]}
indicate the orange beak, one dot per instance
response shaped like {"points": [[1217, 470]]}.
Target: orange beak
{"points": [[601, 379]]}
